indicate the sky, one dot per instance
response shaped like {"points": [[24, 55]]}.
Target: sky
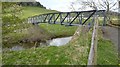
{"points": [[62, 5]]}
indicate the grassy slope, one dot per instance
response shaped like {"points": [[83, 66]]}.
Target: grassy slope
{"points": [[106, 51], [107, 54], [59, 30], [31, 11]]}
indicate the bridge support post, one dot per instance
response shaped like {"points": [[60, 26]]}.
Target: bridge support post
{"points": [[64, 19], [45, 18], [57, 18], [104, 20], [81, 19], [60, 18]]}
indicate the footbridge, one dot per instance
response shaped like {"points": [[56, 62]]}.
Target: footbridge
{"points": [[69, 18]]}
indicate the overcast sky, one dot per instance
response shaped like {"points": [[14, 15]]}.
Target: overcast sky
{"points": [[61, 5]]}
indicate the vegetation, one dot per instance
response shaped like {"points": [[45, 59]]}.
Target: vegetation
{"points": [[35, 4], [59, 30], [106, 51], [115, 18], [107, 54], [10, 16]]}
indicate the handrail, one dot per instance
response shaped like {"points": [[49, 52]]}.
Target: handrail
{"points": [[68, 12]]}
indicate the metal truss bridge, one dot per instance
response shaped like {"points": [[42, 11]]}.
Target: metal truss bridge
{"points": [[69, 18]]}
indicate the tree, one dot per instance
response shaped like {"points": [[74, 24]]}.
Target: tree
{"points": [[72, 6], [36, 4], [107, 5], [119, 6]]}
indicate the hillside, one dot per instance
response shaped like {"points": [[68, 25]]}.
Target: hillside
{"points": [[31, 11], [33, 8], [23, 11]]}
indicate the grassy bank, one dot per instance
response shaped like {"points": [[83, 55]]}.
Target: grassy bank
{"points": [[58, 30], [107, 54], [42, 33], [106, 51]]}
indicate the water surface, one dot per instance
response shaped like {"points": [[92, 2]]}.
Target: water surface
{"points": [[59, 41], [53, 42]]}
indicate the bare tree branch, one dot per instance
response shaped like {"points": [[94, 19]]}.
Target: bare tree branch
{"points": [[72, 7], [103, 6], [108, 5], [113, 5]]}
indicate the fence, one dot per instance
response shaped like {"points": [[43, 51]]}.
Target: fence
{"points": [[92, 59]]}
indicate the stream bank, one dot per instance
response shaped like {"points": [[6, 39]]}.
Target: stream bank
{"points": [[52, 42]]}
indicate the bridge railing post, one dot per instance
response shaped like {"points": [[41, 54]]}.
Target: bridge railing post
{"points": [[80, 18]]}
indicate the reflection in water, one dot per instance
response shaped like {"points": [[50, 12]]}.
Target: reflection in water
{"points": [[59, 41]]}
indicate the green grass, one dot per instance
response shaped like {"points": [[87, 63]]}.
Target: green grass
{"points": [[107, 54], [106, 51], [58, 30], [32, 11]]}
